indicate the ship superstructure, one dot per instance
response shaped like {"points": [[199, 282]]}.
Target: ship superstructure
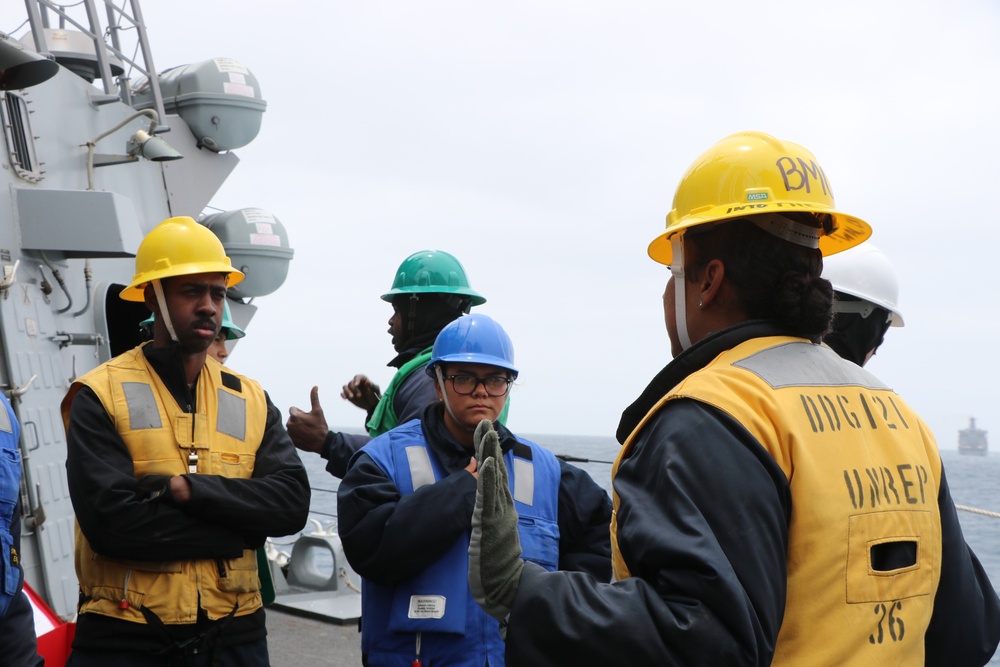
{"points": [[972, 440], [100, 146]]}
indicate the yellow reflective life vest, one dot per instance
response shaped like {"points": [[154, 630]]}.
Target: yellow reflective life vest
{"points": [[863, 470], [225, 433]]}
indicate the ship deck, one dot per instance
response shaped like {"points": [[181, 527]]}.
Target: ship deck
{"points": [[298, 641]]}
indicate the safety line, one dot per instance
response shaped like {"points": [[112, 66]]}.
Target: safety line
{"points": [[976, 510]]}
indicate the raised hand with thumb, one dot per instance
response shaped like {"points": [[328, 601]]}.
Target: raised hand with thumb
{"points": [[308, 430]]}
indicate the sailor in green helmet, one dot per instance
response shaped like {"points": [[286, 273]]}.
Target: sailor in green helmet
{"points": [[430, 290]]}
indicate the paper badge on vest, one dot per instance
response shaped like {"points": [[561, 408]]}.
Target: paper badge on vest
{"points": [[427, 606]]}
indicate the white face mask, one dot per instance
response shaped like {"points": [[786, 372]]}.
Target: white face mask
{"points": [[680, 294]]}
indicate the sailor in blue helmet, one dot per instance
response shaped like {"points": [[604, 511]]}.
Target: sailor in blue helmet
{"points": [[17, 626], [405, 509]]}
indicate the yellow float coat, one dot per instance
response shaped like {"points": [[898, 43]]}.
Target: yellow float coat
{"points": [[863, 471], [225, 433]]}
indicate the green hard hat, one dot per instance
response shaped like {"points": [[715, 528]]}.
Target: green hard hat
{"points": [[232, 331], [432, 272]]}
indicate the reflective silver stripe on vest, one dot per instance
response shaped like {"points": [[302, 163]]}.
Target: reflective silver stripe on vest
{"points": [[805, 364], [143, 411], [419, 461], [421, 473], [5, 424], [524, 481], [232, 418]]}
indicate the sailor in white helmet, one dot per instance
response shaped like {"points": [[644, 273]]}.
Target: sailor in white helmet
{"points": [[867, 296]]}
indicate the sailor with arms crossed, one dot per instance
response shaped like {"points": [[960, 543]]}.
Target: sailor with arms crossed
{"points": [[178, 470]]}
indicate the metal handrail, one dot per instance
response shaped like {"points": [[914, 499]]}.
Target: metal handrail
{"points": [[38, 18]]}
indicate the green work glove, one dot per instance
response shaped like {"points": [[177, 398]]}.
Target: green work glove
{"points": [[479, 437], [494, 551]]}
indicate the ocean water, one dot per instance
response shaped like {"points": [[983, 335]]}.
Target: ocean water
{"points": [[973, 481]]}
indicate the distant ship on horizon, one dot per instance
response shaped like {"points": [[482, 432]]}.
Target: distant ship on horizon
{"points": [[972, 440]]}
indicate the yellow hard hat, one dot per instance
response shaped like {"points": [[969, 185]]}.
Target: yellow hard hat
{"points": [[750, 173], [178, 247]]}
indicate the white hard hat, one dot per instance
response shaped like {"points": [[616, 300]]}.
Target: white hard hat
{"points": [[866, 273]]}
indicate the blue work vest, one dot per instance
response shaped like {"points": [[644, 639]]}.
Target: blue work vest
{"points": [[436, 603], [10, 488]]}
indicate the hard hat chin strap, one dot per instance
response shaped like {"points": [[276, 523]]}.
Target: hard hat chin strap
{"points": [[772, 223], [164, 313], [680, 290], [862, 308], [411, 317], [444, 398], [788, 229]]}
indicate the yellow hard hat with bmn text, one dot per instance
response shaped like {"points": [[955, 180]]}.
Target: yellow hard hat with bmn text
{"points": [[751, 173]]}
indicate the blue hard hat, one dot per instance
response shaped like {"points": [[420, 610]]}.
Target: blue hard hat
{"points": [[473, 339]]}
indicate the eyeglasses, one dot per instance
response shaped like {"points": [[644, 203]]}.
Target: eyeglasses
{"points": [[494, 385]]}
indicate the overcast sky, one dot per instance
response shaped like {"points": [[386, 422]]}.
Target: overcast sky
{"points": [[541, 143]]}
